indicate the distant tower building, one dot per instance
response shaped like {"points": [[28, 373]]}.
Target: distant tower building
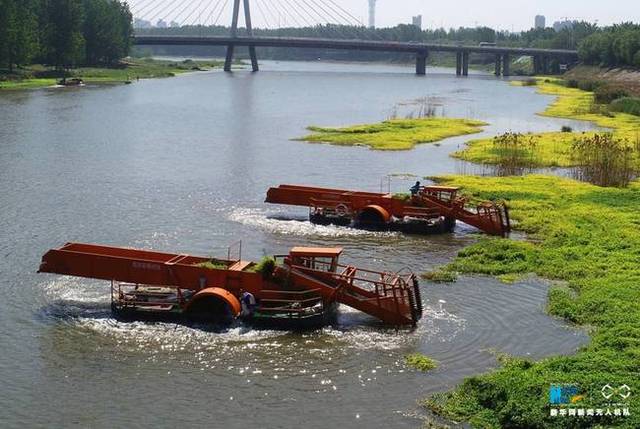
{"points": [[372, 13], [417, 21], [565, 24], [174, 24], [141, 23], [161, 24], [541, 22]]}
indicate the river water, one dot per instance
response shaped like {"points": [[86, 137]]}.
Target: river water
{"points": [[182, 165]]}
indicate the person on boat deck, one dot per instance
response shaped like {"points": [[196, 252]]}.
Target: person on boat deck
{"points": [[415, 189], [248, 303]]}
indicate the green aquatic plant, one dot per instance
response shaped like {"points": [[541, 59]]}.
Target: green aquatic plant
{"points": [[556, 149], [395, 134], [402, 196], [266, 266], [213, 264], [587, 239], [441, 275], [420, 362]]}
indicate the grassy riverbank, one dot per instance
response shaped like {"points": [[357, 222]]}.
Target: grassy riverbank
{"points": [[37, 76], [554, 149], [395, 134], [586, 237]]}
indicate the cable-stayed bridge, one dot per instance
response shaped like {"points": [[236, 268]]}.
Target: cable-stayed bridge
{"points": [[333, 26]]}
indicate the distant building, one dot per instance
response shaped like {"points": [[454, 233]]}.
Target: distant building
{"points": [[141, 23], [372, 13], [541, 22], [161, 24], [174, 24], [417, 21], [563, 25]]}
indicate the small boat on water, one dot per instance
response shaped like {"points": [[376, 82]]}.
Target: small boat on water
{"points": [[71, 82]]}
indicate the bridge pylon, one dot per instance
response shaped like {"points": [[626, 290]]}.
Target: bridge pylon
{"points": [[234, 33]]}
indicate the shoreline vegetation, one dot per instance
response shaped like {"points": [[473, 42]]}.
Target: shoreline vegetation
{"points": [[582, 237], [555, 149], [37, 76], [394, 134]]}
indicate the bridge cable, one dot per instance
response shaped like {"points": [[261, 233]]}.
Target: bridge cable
{"points": [[274, 15], [316, 25], [195, 9], [282, 13], [337, 12], [356, 20], [354, 23], [204, 13], [183, 11], [262, 13], [220, 13], [332, 23], [310, 24], [336, 23], [213, 10], [138, 6], [165, 12], [171, 12], [151, 13], [295, 15], [143, 6]]}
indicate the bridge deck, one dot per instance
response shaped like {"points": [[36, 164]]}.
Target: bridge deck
{"points": [[364, 45]]}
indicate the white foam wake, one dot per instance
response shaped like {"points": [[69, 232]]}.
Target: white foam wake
{"points": [[261, 219]]}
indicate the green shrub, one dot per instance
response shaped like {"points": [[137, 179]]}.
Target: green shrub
{"points": [[585, 85], [630, 105], [589, 85], [605, 94], [566, 129]]}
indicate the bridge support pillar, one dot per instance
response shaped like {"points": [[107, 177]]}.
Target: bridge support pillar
{"points": [[252, 49], [229, 58], [506, 65], [421, 63], [234, 33], [465, 63], [458, 63], [545, 65], [498, 70]]}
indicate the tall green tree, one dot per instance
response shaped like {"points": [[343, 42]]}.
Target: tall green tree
{"points": [[64, 39], [18, 32], [107, 30]]}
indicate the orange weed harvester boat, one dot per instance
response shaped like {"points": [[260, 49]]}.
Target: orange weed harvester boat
{"points": [[432, 209], [301, 289]]}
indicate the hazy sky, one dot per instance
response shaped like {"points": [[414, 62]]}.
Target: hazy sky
{"points": [[501, 14]]}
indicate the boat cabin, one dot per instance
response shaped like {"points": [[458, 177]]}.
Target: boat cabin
{"points": [[315, 258]]}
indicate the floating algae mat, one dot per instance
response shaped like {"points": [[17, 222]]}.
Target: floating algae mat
{"points": [[395, 134], [587, 238]]}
